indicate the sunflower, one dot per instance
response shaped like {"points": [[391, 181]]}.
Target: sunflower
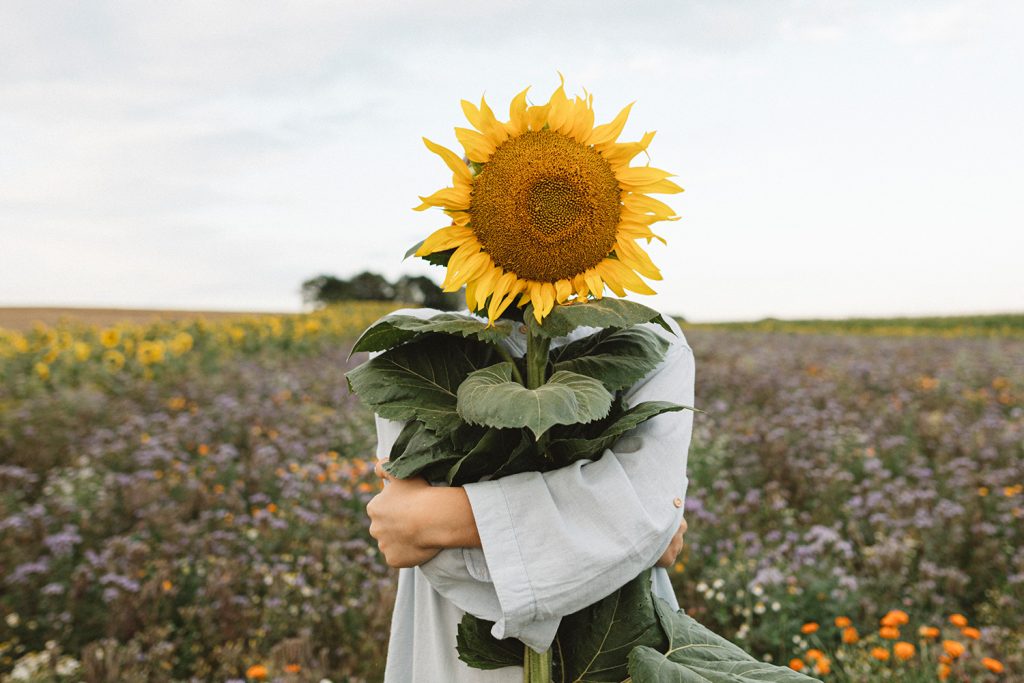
{"points": [[545, 207]]}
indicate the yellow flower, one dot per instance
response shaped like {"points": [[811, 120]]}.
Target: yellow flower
{"points": [[880, 653], [809, 627], [548, 208], [113, 360], [929, 632], [151, 352], [82, 351], [970, 632], [850, 635], [181, 343], [814, 653], [843, 622], [895, 617], [889, 632], [43, 370], [823, 666], [110, 337]]}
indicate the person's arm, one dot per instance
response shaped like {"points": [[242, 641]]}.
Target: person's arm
{"points": [[559, 541]]}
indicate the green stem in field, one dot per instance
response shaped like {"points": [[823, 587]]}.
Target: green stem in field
{"points": [[536, 666], [537, 348]]}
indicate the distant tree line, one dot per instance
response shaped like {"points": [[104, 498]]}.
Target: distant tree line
{"points": [[367, 286]]}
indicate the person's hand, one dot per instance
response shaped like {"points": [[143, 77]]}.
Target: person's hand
{"points": [[396, 517], [675, 546]]}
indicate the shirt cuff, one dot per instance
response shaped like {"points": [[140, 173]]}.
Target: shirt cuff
{"points": [[503, 554]]}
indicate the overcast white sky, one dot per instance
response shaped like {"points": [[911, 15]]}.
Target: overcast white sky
{"points": [[839, 158]]}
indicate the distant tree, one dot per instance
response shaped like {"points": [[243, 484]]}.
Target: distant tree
{"points": [[324, 289], [424, 291], [367, 286]]}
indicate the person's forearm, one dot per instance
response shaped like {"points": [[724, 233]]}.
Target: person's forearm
{"points": [[448, 520]]}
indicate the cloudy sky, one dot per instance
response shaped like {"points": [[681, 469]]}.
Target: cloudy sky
{"points": [[839, 158]]}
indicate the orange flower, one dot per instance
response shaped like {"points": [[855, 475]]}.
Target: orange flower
{"points": [[796, 664], [850, 635], [945, 659], [928, 632], [257, 671], [823, 666], [889, 632], [880, 653], [895, 617], [943, 671], [813, 654], [958, 620], [809, 627], [993, 665], [904, 650], [953, 648], [970, 632], [843, 622], [292, 668]]}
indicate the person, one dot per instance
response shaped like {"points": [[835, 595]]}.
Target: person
{"points": [[524, 550]]}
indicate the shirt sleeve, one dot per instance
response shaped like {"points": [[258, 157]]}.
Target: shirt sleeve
{"points": [[558, 541]]}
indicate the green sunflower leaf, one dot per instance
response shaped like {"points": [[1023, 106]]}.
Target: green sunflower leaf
{"points": [[593, 644], [419, 380], [570, 450], [695, 654], [394, 330], [617, 357], [490, 397], [606, 312], [479, 649], [438, 258], [419, 451]]}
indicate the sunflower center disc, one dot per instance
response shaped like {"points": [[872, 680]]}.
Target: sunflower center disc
{"points": [[545, 206]]}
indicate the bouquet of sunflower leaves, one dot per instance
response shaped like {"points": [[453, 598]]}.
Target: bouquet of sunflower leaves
{"points": [[545, 212]]}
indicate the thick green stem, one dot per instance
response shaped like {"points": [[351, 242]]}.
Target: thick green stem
{"points": [[536, 360], [536, 666]]}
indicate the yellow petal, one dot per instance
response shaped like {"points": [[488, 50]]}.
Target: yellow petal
{"points": [[547, 291], [636, 258], [643, 204], [459, 217], [563, 290], [607, 133], [445, 238], [517, 288], [621, 153], [537, 116], [478, 147], [583, 121], [624, 276], [610, 279], [561, 109], [579, 283], [638, 231], [594, 282], [638, 176], [517, 119], [449, 198], [663, 187], [485, 285], [451, 159], [501, 288]]}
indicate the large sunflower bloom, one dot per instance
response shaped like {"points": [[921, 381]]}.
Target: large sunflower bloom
{"points": [[547, 208]]}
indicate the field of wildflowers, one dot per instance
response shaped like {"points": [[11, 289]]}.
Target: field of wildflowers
{"points": [[193, 509]]}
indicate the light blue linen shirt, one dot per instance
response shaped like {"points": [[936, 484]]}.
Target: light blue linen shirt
{"points": [[553, 542]]}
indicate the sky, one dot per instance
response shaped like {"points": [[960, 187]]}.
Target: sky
{"points": [[839, 158]]}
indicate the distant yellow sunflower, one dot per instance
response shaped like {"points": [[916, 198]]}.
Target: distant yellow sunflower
{"points": [[547, 208]]}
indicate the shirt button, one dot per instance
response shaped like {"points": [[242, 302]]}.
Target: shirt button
{"points": [[678, 502], [522, 329]]}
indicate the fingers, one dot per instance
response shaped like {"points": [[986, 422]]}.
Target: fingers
{"points": [[378, 469], [683, 527]]}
